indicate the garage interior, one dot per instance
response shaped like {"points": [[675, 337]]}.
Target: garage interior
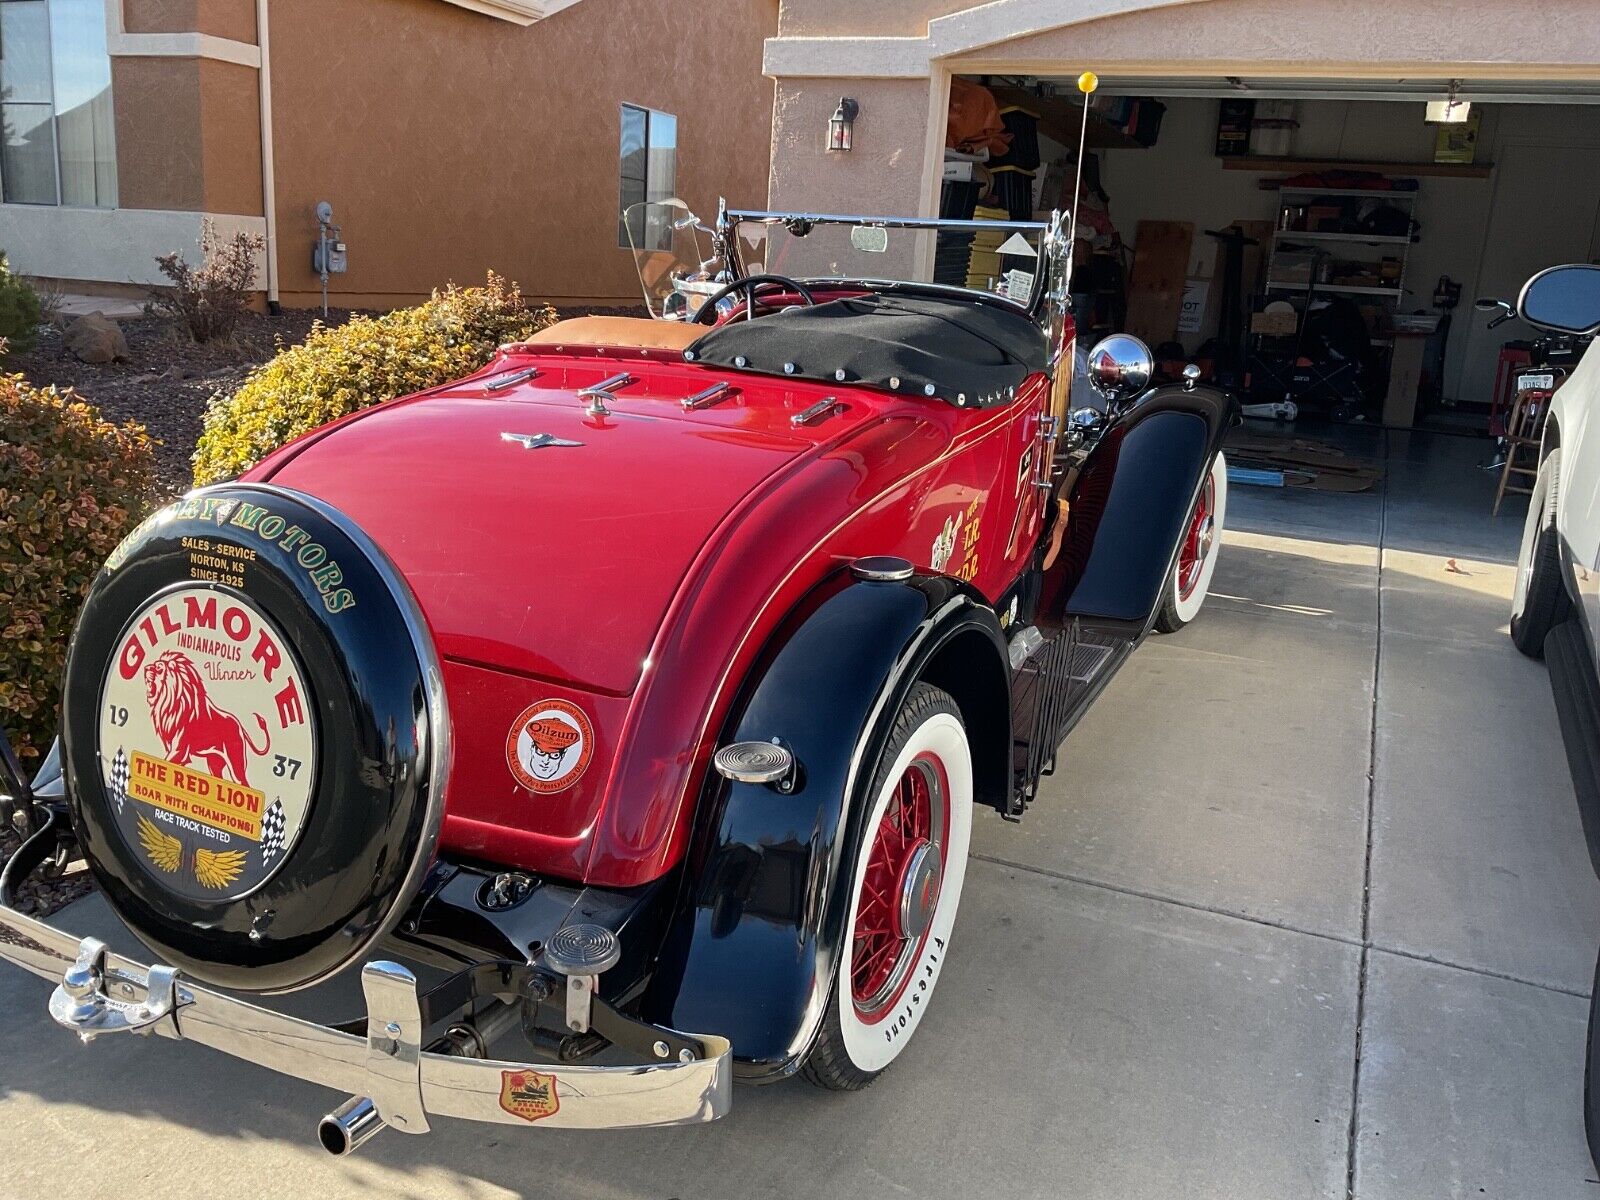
{"points": [[1316, 241]]}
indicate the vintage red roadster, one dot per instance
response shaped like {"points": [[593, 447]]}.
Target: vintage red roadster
{"points": [[638, 690]]}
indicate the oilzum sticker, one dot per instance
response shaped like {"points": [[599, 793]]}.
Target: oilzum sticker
{"points": [[206, 745], [549, 746]]}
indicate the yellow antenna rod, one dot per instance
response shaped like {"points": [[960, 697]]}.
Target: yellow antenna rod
{"points": [[1087, 82]]}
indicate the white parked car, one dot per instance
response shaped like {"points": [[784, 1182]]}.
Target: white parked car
{"points": [[1556, 567], [1555, 605]]}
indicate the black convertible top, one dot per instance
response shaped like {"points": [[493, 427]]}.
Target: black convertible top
{"points": [[961, 350]]}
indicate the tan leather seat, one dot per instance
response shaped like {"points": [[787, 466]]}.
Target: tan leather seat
{"points": [[636, 332]]}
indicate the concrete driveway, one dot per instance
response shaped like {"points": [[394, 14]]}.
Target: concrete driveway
{"points": [[1306, 912]]}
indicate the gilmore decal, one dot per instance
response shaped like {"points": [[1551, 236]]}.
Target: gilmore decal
{"points": [[207, 747], [224, 806], [224, 632]]}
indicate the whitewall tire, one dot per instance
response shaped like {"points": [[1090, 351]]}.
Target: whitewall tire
{"points": [[905, 887], [1197, 555]]}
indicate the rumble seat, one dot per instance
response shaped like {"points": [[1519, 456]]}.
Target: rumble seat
{"points": [[637, 332]]}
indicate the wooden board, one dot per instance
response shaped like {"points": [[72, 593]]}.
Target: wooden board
{"points": [[1254, 275], [1160, 267], [1304, 462]]}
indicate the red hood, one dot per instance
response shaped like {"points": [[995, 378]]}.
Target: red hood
{"points": [[557, 562]]}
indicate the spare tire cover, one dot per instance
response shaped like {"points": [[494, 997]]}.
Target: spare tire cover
{"points": [[255, 737]]}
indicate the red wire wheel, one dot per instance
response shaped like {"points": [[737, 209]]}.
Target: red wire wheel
{"points": [[908, 864], [900, 888], [1197, 542]]}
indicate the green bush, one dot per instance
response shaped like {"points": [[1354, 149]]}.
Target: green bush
{"points": [[356, 365], [19, 310], [71, 485]]}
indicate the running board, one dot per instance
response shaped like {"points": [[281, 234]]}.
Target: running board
{"points": [[1577, 696], [1050, 691]]}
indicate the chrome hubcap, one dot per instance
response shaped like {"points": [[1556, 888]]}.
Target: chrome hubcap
{"points": [[919, 892]]}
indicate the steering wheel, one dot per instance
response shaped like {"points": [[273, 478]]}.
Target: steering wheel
{"points": [[750, 284]]}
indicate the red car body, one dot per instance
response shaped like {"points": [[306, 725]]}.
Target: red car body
{"points": [[640, 576], [646, 681]]}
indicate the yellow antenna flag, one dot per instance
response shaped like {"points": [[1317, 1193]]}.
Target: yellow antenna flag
{"points": [[1087, 82]]}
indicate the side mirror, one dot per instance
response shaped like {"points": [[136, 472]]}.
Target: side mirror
{"points": [[1120, 367], [1563, 299]]}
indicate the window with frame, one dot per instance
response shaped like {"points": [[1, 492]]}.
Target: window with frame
{"points": [[649, 170], [56, 138]]}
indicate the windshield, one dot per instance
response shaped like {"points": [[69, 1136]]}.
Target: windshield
{"points": [[673, 253], [681, 259], [998, 258]]}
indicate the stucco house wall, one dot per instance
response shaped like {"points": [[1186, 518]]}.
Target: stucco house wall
{"points": [[449, 143], [451, 136]]}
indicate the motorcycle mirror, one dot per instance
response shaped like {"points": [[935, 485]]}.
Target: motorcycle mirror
{"points": [[1563, 299], [1489, 304]]}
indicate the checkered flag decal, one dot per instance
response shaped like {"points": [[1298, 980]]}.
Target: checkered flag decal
{"points": [[119, 779], [272, 832]]}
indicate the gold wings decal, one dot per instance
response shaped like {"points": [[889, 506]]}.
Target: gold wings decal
{"points": [[164, 850], [217, 869]]}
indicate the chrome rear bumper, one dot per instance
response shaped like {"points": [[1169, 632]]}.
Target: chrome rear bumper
{"points": [[388, 1072]]}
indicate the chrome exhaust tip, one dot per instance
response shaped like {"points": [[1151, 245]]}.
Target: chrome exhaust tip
{"points": [[350, 1126]]}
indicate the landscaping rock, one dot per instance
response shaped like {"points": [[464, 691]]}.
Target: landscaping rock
{"points": [[95, 338]]}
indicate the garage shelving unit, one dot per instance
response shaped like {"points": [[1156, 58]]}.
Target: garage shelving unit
{"points": [[1280, 236]]}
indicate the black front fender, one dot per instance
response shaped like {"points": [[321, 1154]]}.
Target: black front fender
{"points": [[753, 951], [1130, 503]]}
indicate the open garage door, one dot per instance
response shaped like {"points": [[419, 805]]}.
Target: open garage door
{"points": [[1361, 231]]}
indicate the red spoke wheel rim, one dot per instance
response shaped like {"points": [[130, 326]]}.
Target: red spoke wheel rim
{"points": [[1197, 542], [900, 887]]}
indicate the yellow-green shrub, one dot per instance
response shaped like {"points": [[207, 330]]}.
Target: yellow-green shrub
{"points": [[338, 370], [71, 484]]}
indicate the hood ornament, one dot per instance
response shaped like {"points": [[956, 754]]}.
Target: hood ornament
{"points": [[537, 441]]}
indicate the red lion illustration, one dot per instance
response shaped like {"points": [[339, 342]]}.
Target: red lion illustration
{"points": [[191, 726]]}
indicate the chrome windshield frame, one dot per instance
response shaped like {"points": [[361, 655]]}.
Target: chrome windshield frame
{"points": [[1050, 277]]}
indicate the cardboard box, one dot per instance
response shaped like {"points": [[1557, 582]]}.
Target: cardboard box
{"points": [[1405, 377], [1275, 324]]}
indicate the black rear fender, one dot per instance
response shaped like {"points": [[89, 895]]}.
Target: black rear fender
{"points": [[754, 947]]}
